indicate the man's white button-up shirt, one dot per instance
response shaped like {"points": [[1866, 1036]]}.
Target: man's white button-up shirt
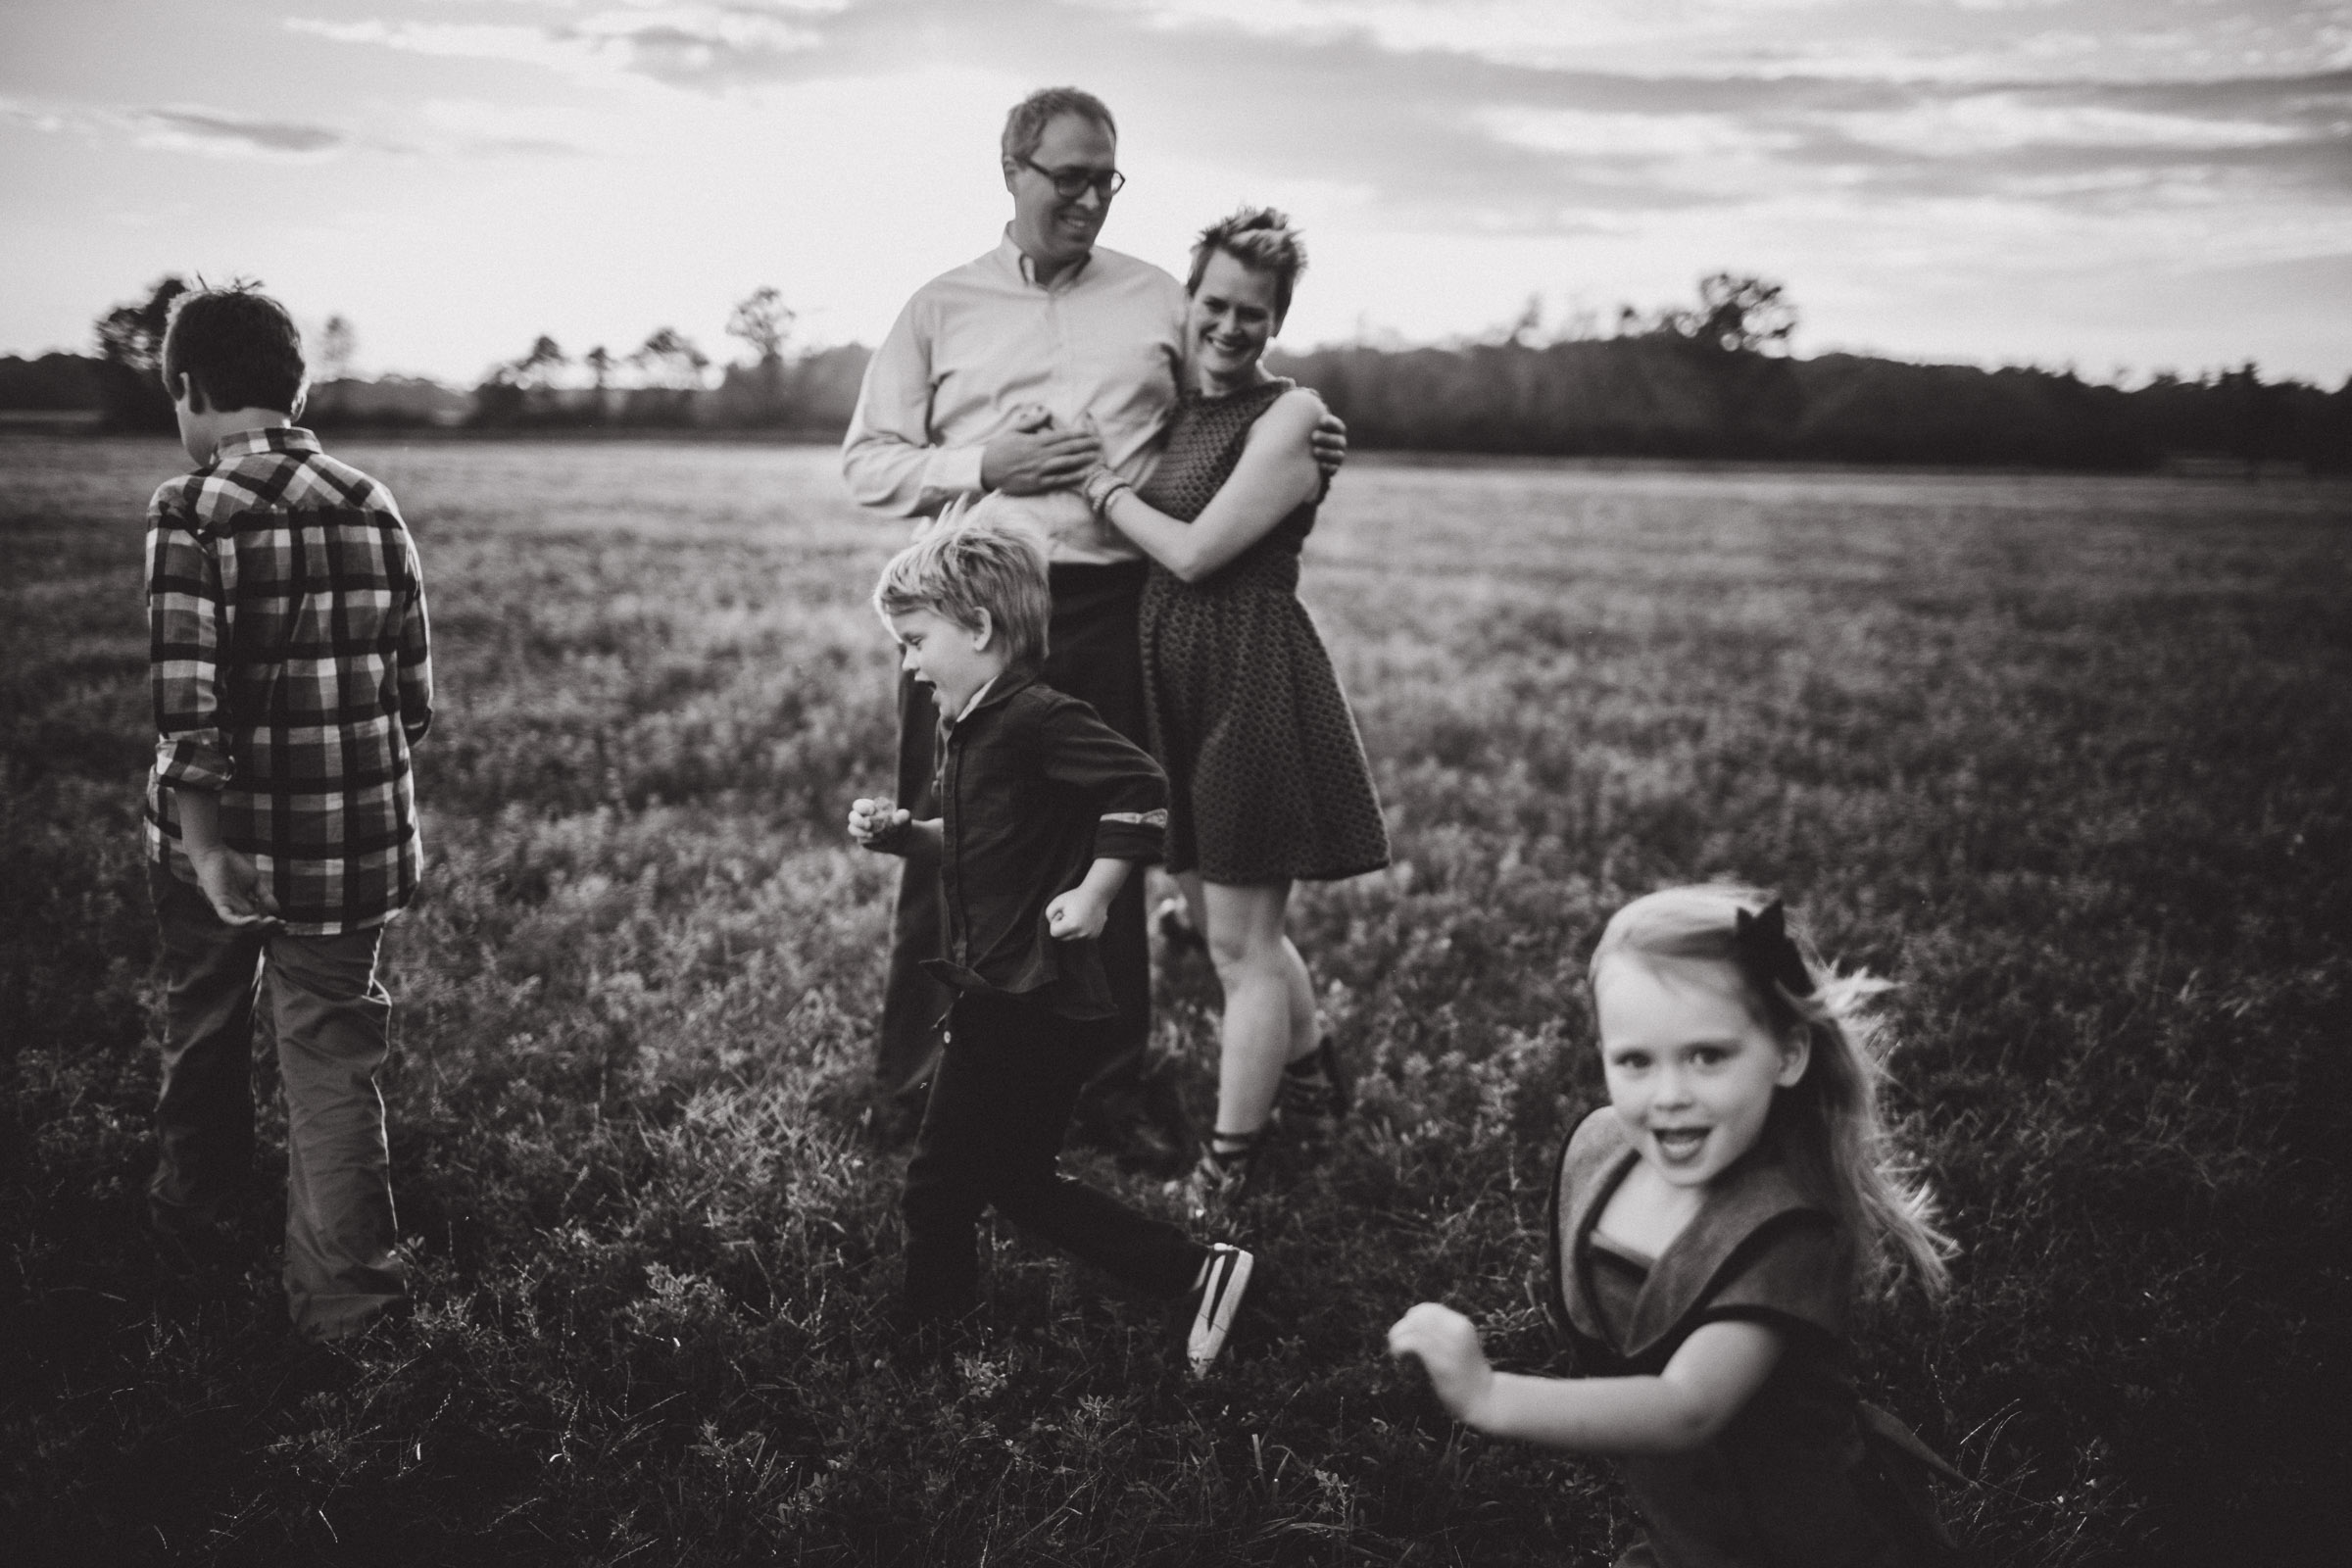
{"points": [[1099, 347]]}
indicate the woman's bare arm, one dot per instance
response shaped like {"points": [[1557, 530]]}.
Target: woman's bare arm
{"points": [[1275, 476]]}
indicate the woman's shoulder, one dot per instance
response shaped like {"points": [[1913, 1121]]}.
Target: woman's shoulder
{"points": [[1294, 402], [1289, 414]]}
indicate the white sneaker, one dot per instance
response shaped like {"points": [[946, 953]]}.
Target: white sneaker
{"points": [[1221, 1297]]}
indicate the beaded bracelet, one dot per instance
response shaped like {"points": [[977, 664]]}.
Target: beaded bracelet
{"points": [[1101, 487]]}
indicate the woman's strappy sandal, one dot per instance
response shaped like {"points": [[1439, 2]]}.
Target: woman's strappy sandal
{"points": [[1221, 1176], [1314, 1090]]}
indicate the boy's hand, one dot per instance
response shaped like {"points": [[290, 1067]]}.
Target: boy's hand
{"points": [[1446, 1344], [232, 884], [1329, 443], [1076, 916], [879, 826]]}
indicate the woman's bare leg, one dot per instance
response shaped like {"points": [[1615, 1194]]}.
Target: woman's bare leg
{"points": [[1269, 998]]}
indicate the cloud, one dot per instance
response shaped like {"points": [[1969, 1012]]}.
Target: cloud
{"points": [[33, 117], [2287, 137], [1488, 133], [681, 43], [477, 127], [224, 134], [555, 48], [193, 128], [457, 128]]}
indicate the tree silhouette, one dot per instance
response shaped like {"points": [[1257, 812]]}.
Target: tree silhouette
{"points": [[338, 344], [668, 358], [2257, 421], [1740, 314], [130, 349], [1736, 315], [538, 367], [763, 320]]}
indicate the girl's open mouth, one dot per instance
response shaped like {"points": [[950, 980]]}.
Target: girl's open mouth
{"points": [[1680, 1142]]}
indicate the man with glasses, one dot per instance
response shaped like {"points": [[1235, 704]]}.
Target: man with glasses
{"points": [[998, 386]]}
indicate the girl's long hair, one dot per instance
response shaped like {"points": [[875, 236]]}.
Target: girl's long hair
{"points": [[1830, 1118]]}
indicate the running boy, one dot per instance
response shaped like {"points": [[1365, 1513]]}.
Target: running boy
{"points": [[1043, 812], [290, 674]]}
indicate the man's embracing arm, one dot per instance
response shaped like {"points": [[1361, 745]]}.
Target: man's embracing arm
{"points": [[889, 458]]}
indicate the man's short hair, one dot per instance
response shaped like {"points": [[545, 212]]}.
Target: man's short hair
{"points": [[1025, 127], [1261, 240], [956, 572], [238, 344]]}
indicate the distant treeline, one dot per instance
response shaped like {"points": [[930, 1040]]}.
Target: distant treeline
{"points": [[1656, 396], [810, 394], [1703, 382]]}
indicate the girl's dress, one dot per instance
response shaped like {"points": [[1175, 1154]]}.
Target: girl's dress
{"points": [[1806, 1473], [1267, 779]]}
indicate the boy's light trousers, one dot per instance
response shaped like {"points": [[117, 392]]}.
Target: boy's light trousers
{"points": [[320, 1000]]}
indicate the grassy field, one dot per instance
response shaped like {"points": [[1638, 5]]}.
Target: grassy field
{"points": [[2066, 758]]}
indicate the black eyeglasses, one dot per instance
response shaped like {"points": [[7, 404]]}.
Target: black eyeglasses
{"points": [[1070, 183]]}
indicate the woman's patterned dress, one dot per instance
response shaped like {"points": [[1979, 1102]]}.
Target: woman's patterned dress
{"points": [[1267, 779]]}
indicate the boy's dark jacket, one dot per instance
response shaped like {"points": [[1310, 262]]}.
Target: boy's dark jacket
{"points": [[1032, 789]]}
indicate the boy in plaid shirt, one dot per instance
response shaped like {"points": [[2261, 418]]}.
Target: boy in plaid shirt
{"points": [[289, 667]]}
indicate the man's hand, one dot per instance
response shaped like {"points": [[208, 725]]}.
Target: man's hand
{"points": [[879, 826], [1077, 915], [1446, 1344], [1032, 457], [232, 884], [1329, 442]]}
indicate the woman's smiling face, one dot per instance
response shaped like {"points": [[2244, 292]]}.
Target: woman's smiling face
{"points": [[1690, 1069], [1231, 319]]}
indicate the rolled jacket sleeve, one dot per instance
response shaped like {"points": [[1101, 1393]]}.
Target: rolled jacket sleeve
{"points": [[888, 458], [190, 622]]}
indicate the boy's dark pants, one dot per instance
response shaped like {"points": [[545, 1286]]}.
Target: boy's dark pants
{"points": [[1095, 653], [1008, 1075], [329, 1015]]}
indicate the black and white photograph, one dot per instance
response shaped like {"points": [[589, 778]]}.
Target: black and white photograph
{"points": [[1430, 783]]}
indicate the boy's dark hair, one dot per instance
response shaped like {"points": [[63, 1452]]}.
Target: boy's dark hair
{"points": [[238, 345], [1025, 127]]}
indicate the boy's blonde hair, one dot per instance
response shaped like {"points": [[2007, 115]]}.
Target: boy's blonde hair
{"points": [[1830, 1118], [956, 572]]}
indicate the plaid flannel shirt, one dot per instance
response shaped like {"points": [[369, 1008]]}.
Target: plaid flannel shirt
{"points": [[291, 673]]}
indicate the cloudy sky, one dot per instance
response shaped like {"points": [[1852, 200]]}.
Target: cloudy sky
{"points": [[2124, 184]]}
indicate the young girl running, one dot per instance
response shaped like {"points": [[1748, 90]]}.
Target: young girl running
{"points": [[1711, 1226]]}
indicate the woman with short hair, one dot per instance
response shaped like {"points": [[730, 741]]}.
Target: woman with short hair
{"points": [[1268, 782]]}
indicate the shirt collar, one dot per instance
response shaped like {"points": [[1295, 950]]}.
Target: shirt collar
{"points": [[976, 698], [270, 438], [1025, 269], [996, 690], [1758, 1189]]}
